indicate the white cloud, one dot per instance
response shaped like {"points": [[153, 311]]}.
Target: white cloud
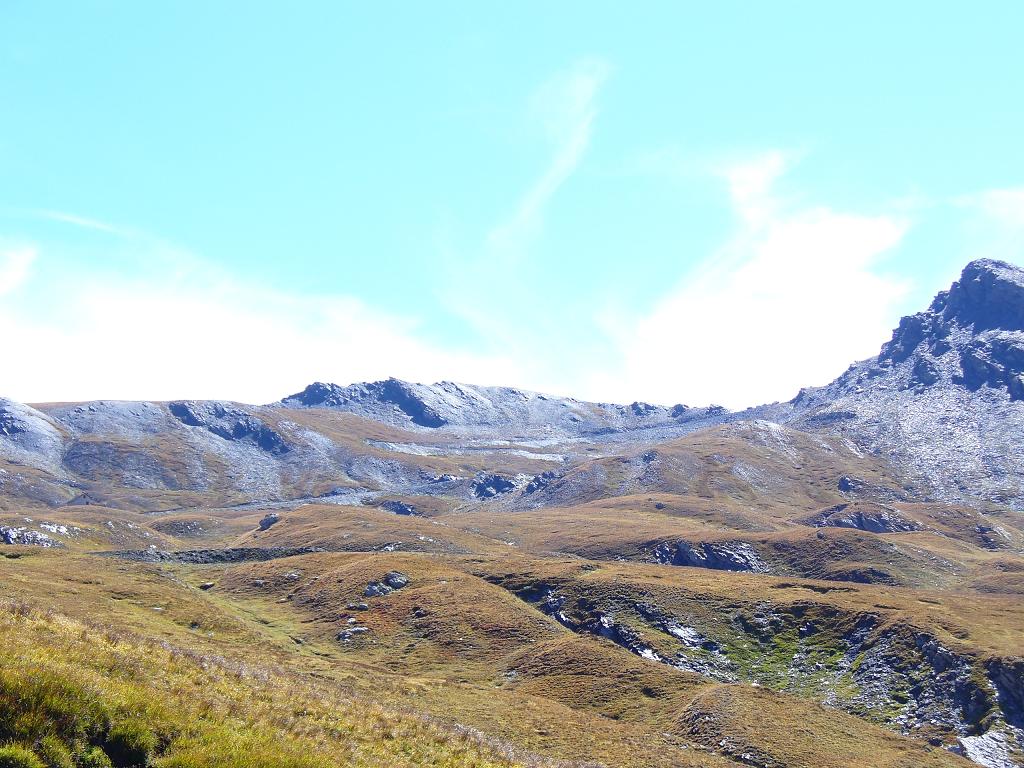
{"points": [[188, 330], [789, 301], [15, 265]]}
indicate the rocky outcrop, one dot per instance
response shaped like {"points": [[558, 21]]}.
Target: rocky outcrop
{"points": [[399, 397], [26, 537], [487, 486], [539, 482], [988, 304], [230, 423], [392, 580], [873, 518], [889, 672], [398, 507], [268, 520], [1007, 676], [717, 555]]}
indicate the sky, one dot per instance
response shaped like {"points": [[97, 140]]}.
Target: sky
{"points": [[668, 202]]}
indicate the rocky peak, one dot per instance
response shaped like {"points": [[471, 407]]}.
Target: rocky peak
{"points": [[974, 332], [406, 399], [988, 295]]}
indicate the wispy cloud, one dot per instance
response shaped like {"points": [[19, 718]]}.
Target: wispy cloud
{"points": [[497, 270], [84, 222], [565, 107]]}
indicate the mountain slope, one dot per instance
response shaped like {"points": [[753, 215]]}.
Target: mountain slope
{"points": [[944, 399]]}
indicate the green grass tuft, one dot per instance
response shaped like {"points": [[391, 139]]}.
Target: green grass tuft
{"points": [[14, 756]]}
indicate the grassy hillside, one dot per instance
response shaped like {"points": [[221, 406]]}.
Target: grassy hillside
{"points": [[258, 656], [75, 693]]}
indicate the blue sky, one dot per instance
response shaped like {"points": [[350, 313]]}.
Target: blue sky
{"points": [[672, 202]]}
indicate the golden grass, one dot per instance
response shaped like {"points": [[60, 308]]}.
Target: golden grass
{"points": [[61, 677]]}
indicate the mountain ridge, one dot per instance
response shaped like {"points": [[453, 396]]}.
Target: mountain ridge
{"points": [[942, 399]]}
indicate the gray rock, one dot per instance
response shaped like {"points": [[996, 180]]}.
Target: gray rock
{"points": [[377, 589], [487, 486], [346, 635], [392, 580]]}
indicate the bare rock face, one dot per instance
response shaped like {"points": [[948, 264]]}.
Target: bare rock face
{"points": [[398, 399]]}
